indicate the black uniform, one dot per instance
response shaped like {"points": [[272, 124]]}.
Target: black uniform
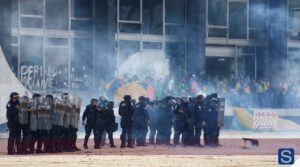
{"points": [[126, 111], [211, 122], [140, 123], [182, 121], [14, 139], [153, 122], [198, 122], [105, 120], [165, 122], [90, 115]]}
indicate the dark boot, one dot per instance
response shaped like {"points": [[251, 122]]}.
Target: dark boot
{"points": [[129, 144], [10, 146], [85, 144], [111, 142], [96, 143]]}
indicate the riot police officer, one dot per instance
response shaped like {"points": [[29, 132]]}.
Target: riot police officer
{"points": [[198, 123], [75, 117], [12, 115], [182, 120], [33, 121], [44, 124], [105, 123], [89, 119], [153, 121], [126, 111], [24, 123], [140, 122]]}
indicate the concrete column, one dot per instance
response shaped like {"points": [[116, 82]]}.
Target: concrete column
{"points": [[195, 36], [277, 41]]}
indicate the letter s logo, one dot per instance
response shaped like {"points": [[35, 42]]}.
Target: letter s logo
{"points": [[286, 156]]}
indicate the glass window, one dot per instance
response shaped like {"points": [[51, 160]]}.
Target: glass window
{"points": [[30, 22], [82, 64], [14, 13], [57, 61], [152, 45], [82, 8], [57, 14], [237, 20], [175, 11], [57, 41], [177, 30], [217, 12], [31, 52], [13, 62], [217, 32], [259, 34], [81, 25], [130, 28], [153, 17], [32, 7], [31, 59], [130, 10], [258, 13], [294, 14]]}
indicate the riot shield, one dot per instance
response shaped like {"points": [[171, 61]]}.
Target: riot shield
{"points": [[221, 111], [33, 107], [23, 112]]}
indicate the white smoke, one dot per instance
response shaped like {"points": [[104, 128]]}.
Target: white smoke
{"points": [[146, 63]]}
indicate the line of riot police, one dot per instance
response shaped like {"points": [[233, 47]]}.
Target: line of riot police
{"points": [[188, 117], [42, 123]]}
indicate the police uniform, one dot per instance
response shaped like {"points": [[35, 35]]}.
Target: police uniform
{"points": [[140, 123], [182, 121], [24, 123], [12, 115], [126, 111], [90, 116]]}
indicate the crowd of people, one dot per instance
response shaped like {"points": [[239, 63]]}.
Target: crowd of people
{"points": [[240, 92], [42, 123]]}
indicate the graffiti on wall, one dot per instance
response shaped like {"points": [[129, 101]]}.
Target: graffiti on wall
{"points": [[35, 77]]}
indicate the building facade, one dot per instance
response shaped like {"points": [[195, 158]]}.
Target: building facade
{"points": [[74, 44]]}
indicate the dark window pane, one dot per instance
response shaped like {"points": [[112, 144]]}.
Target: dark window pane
{"points": [[217, 12], [294, 14], [31, 52], [57, 41], [258, 34], [153, 17], [14, 40], [82, 8], [32, 7], [258, 13], [237, 20], [29, 22], [130, 10], [177, 30], [130, 28], [81, 25], [175, 12], [152, 45], [217, 32], [57, 14], [82, 64], [14, 14], [56, 60]]}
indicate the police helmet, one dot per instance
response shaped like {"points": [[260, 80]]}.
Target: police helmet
{"points": [[127, 97]]}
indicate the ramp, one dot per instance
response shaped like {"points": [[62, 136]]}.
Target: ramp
{"points": [[8, 83]]}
